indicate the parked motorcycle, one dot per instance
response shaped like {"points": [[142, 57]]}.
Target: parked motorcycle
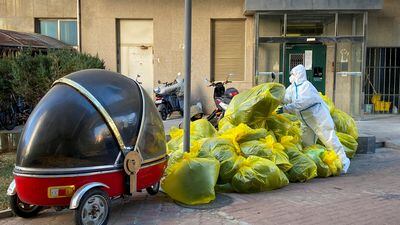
{"points": [[222, 98], [169, 97]]}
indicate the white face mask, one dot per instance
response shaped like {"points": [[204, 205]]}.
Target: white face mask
{"points": [[291, 79]]}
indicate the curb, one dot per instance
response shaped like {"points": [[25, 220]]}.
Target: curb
{"points": [[6, 213], [393, 145]]}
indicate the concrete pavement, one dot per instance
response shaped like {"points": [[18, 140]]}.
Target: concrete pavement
{"points": [[386, 130], [369, 194]]}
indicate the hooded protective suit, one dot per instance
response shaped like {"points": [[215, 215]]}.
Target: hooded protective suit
{"points": [[303, 99]]}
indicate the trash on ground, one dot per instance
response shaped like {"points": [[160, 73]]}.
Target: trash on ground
{"points": [[255, 149]]}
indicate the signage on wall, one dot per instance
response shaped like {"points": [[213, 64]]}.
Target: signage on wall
{"points": [[308, 59], [344, 60]]}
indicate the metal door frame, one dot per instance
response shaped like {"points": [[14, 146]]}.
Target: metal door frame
{"points": [[284, 39]]}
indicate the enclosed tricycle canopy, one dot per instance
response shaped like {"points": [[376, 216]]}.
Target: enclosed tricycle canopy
{"points": [[89, 120]]}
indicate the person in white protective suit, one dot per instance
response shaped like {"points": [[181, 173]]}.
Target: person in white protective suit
{"points": [[303, 100]]}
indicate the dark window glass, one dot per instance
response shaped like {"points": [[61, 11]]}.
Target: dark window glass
{"points": [[152, 140], [65, 131]]}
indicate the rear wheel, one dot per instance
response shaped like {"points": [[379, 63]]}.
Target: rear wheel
{"points": [[153, 190], [94, 208], [163, 111], [23, 209]]}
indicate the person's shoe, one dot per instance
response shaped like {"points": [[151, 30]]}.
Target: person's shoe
{"points": [[346, 165]]}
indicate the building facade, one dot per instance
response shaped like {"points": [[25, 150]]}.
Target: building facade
{"points": [[351, 48]]}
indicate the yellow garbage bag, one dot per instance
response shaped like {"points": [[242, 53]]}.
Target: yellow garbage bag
{"points": [[257, 174], [252, 107], [174, 144], [243, 133], [344, 123], [199, 129], [191, 180], [328, 102], [281, 158], [304, 167], [282, 126], [202, 129], [224, 125], [225, 152], [327, 161], [257, 148], [349, 143]]}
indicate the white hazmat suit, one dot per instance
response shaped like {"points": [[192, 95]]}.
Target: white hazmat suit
{"points": [[303, 100]]}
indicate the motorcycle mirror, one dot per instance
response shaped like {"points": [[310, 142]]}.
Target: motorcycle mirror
{"points": [[273, 76], [159, 82]]}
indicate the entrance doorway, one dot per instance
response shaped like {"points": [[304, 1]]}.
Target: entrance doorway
{"points": [[135, 51], [313, 57]]}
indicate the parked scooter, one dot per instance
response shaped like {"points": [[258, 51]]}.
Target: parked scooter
{"points": [[169, 97], [222, 98]]}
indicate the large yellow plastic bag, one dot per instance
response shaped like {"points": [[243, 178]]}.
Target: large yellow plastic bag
{"points": [[282, 126], [327, 161], [202, 129], [258, 174], [281, 158], [243, 133], [225, 152], [224, 125], [199, 129], [349, 143], [252, 107], [303, 168], [224, 188], [344, 123], [191, 180], [257, 148], [328, 102]]}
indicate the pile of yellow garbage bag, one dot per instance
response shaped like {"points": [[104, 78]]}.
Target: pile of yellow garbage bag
{"points": [[253, 150]]}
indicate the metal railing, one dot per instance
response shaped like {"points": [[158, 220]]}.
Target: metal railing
{"points": [[382, 80]]}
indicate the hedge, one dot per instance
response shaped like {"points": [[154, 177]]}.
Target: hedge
{"points": [[30, 74]]}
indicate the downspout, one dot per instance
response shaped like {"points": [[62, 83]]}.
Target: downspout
{"points": [[78, 23]]}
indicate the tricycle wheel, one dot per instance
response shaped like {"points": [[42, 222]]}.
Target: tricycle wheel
{"points": [[153, 190], [163, 111], [94, 208], [23, 209]]}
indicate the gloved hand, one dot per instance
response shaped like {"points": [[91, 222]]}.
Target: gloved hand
{"points": [[279, 110]]}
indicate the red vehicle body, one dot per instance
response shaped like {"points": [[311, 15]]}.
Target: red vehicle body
{"points": [[95, 136]]}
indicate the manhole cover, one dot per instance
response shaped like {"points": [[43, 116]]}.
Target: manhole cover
{"points": [[220, 201]]}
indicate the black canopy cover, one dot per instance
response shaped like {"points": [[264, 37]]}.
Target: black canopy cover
{"points": [[67, 131]]}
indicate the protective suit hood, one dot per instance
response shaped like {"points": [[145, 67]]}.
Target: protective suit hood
{"points": [[298, 74]]}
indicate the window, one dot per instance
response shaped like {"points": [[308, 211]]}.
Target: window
{"points": [[228, 49], [73, 134], [64, 30]]}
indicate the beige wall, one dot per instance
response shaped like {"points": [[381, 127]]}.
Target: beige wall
{"points": [[99, 32], [384, 25], [20, 15], [99, 36]]}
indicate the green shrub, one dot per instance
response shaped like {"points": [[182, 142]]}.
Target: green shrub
{"points": [[30, 75], [5, 79]]}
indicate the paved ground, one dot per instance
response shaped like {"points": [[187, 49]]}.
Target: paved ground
{"points": [[385, 129], [369, 194]]}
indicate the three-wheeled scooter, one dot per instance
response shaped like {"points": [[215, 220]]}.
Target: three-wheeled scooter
{"points": [[95, 136]]}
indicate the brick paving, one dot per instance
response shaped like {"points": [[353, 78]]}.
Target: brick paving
{"points": [[369, 194]]}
